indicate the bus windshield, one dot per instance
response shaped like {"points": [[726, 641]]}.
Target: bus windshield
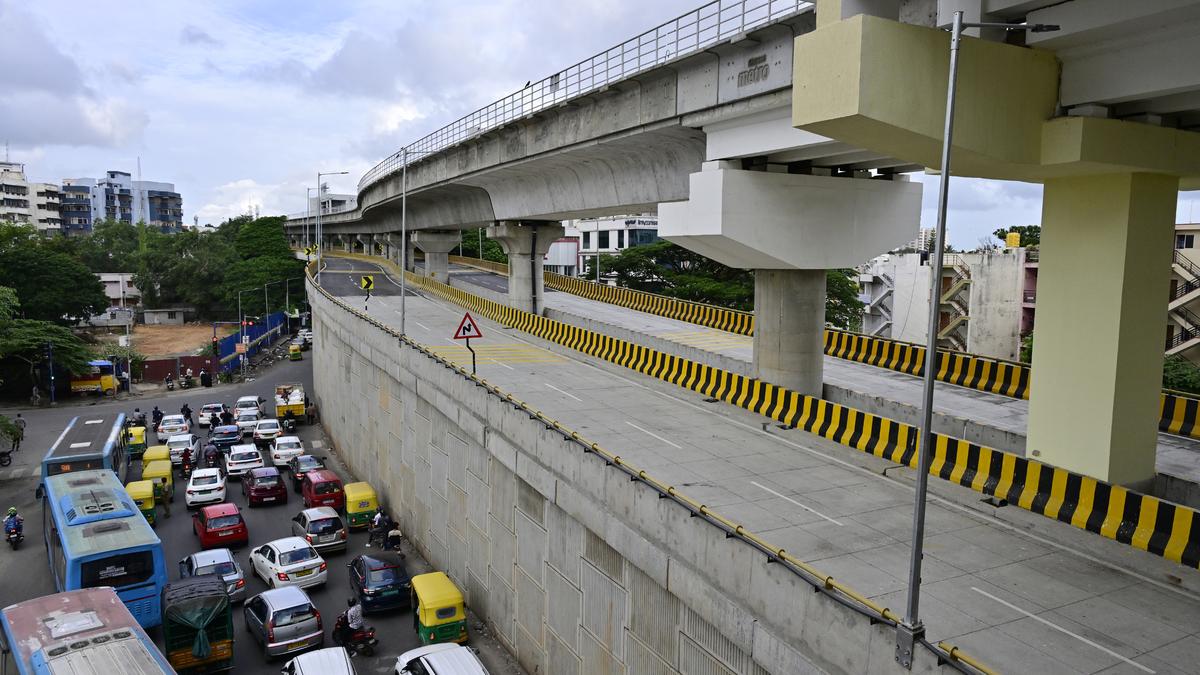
{"points": [[118, 571]]}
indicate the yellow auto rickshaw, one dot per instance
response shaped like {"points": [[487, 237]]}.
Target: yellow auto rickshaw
{"points": [[142, 492], [136, 440], [361, 504], [295, 353], [159, 471], [438, 611], [155, 453]]}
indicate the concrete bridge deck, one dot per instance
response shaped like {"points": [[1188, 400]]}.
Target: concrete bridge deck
{"points": [[1022, 592], [1178, 457]]}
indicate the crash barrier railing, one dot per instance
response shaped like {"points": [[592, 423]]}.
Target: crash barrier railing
{"points": [[823, 583], [1145, 522], [691, 33], [997, 376]]}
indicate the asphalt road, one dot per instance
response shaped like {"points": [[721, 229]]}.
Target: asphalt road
{"points": [[341, 277], [25, 574]]}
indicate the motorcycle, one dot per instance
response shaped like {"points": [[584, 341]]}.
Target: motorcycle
{"points": [[362, 641], [5, 457], [137, 419], [15, 534], [187, 383], [170, 385], [289, 425]]}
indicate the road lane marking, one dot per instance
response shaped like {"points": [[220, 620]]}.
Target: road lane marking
{"points": [[650, 433], [423, 326], [563, 392], [1060, 629], [787, 498]]}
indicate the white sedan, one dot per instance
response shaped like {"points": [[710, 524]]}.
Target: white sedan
{"points": [[207, 486], [285, 448], [266, 431], [177, 444], [290, 561], [172, 425], [242, 458], [208, 412], [247, 420], [247, 403]]}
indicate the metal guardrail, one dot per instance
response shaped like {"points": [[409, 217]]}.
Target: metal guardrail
{"points": [[688, 34]]}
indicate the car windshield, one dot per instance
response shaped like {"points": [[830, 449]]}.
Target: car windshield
{"points": [[291, 615], [268, 426], [212, 407], [324, 525], [385, 575], [248, 456], [247, 404], [266, 481], [247, 417], [327, 488], [182, 443], [224, 521], [205, 480], [288, 445], [226, 432], [297, 556], [307, 463], [172, 419], [222, 568]]}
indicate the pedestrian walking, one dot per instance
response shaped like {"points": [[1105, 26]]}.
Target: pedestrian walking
{"points": [[187, 413], [310, 413], [20, 424]]}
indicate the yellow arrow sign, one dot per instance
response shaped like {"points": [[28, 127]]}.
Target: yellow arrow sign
{"points": [[367, 283]]}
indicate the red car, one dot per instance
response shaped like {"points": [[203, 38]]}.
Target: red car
{"points": [[220, 526], [264, 486], [323, 488]]}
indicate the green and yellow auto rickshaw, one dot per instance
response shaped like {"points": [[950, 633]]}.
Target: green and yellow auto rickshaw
{"points": [[155, 453], [361, 504], [142, 493], [159, 471], [136, 441], [438, 611], [295, 353]]}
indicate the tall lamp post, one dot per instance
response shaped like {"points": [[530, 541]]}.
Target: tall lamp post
{"points": [[404, 152], [911, 630], [308, 214], [242, 325], [318, 188]]}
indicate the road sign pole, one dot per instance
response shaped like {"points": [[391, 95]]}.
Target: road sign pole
{"points": [[468, 340]]}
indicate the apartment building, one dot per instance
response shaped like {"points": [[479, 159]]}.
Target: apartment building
{"points": [[610, 234], [1183, 304], [29, 203], [117, 196]]}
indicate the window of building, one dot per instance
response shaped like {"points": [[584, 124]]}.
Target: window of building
{"points": [[587, 239], [1185, 241], [170, 316], [620, 238], [603, 239]]}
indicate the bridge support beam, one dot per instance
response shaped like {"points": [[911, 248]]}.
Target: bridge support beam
{"points": [[393, 247], [790, 228], [526, 243], [437, 246], [1098, 353]]}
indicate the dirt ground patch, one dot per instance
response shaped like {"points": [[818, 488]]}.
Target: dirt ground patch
{"points": [[159, 341]]}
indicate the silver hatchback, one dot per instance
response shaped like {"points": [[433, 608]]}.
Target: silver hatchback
{"points": [[216, 561], [322, 527], [284, 620]]}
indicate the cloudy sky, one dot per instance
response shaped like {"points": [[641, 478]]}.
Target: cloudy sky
{"points": [[241, 102]]}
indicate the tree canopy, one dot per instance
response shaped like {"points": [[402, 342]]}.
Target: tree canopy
{"points": [[51, 285], [1031, 235]]}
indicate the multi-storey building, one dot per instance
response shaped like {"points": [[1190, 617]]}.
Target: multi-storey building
{"points": [[118, 197], [610, 234], [28, 203], [1183, 304]]}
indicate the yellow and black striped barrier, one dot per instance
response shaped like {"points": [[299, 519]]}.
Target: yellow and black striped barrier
{"points": [[997, 376], [1142, 521]]}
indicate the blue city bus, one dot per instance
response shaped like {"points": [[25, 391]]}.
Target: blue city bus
{"points": [[95, 441], [84, 632], [95, 536]]}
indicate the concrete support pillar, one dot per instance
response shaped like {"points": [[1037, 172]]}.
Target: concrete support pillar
{"points": [[393, 247], [347, 244], [1100, 328], [789, 324], [436, 244], [526, 244], [363, 240]]}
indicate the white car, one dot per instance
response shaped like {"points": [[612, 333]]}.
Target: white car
{"points": [[172, 425], [266, 431], [290, 561], [247, 403], [207, 486], [285, 448], [208, 411], [177, 444], [246, 421], [444, 657], [242, 458]]}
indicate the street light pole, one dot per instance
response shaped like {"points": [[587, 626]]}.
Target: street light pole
{"points": [[308, 215], [319, 240], [911, 630], [404, 236], [242, 325]]}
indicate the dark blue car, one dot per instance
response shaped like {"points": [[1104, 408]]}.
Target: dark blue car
{"points": [[380, 581], [226, 436]]}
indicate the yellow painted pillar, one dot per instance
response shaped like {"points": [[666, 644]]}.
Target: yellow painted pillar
{"points": [[1100, 324]]}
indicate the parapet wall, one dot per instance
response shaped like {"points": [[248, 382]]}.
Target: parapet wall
{"points": [[577, 567]]}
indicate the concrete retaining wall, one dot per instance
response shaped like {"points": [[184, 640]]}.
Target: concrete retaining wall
{"points": [[577, 568]]}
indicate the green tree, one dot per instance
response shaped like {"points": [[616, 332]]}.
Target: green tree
{"points": [[491, 248], [1031, 235], [25, 340], [1181, 375], [843, 309], [112, 246], [51, 286], [263, 237]]}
